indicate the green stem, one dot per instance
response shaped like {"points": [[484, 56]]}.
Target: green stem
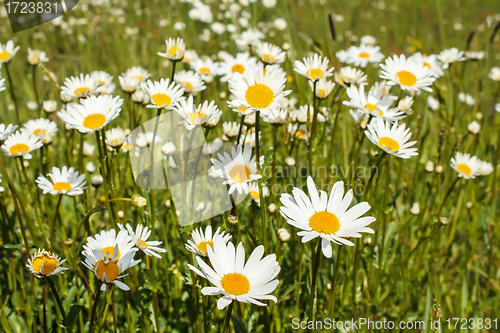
{"points": [[317, 257], [58, 299], [94, 308], [35, 89], [334, 281], [446, 196], [228, 317], [12, 92], [257, 159], [354, 275], [104, 175], [54, 221]]}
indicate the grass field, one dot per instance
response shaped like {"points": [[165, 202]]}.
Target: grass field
{"points": [[434, 252]]}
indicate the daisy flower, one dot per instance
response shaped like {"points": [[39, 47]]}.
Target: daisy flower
{"points": [[130, 80], [231, 129], [238, 169], [236, 280], [175, 49], [44, 263], [409, 74], [253, 190], [363, 54], [373, 104], [5, 131], [80, 87], [494, 74], [249, 139], [348, 76], [103, 82], [36, 56], [64, 181], [115, 137], [93, 113], [140, 237], [368, 40], [21, 143], [258, 90], [108, 255], [486, 168], [497, 107], [450, 56], [206, 68], [190, 81], [49, 106], [276, 117], [474, 55], [163, 94], [429, 61], [239, 64], [202, 115], [249, 39], [392, 140], [299, 131], [270, 54], [189, 56], [323, 88], [466, 165], [45, 129], [204, 240], [327, 217], [7, 51], [313, 68]]}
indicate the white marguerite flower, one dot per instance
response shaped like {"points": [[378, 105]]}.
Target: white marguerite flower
{"points": [[140, 237], [207, 68], [45, 129], [363, 55], [7, 51], [103, 82], [36, 56], [348, 76], [429, 61], [467, 166], [201, 241], [63, 181], [373, 104], [391, 138], [115, 137], [78, 86], [21, 143], [238, 169], [323, 88], [44, 263], [235, 279], [131, 79], [494, 74], [203, 114], [270, 54], [175, 49], [239, 64], [6, 130], [92, 114], [190, 81], [409, 74], [314, 68], [449, 56], [325, 216], [163, 94]]}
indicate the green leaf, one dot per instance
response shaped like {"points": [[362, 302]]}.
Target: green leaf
{"points": [[72, 314], [238, 325]]}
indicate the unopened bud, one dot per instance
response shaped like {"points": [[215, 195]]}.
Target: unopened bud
{"points": [[138, 201]]}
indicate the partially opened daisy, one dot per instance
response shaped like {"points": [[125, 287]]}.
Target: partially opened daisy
{"points": [[236, 280], [108, 255], [190, 81], [249, 39], [79, 86], [429, 61], [44, 128], [270, 54], [328, 217], [140, 238], [258, 90], [363, 54], [115, 137], [253, 190], [449, 56], [392, 138], [207, 68], [239, 64], [163, 94], [314, 67], [202, 115], [409, 74], [103, 82], [373, 104], [36, 56], [467, 166], [44, 263], [93, 113], [486, 168], [201, 241], [348, 76], [7, 51], [175, 49], [323, 88], [238, 169], [130, 80], [63, 181], [6, 130], [21, 143]]}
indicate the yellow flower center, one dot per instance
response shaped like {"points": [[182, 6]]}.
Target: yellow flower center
{"points": [[205, 70], [464, 168], [300, 133], [62, 186], [110, 270], [427, 65], [4, 55], [406, 78], [142, 243], [49, 264], [242, 108], [372, 107], [388, 143], [195, 115], [259, 96], [315, 73], [240, 173], [267, 57], [187, 85], [324, 222], [83, 91], [161, 99], [108, 252], [39, 130], [137, 77], [173, 51], [235, 284], [203, 246], [255, 195], [94, 121], [19, 148], [321, 92], [238, 68], [364, 55]]}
